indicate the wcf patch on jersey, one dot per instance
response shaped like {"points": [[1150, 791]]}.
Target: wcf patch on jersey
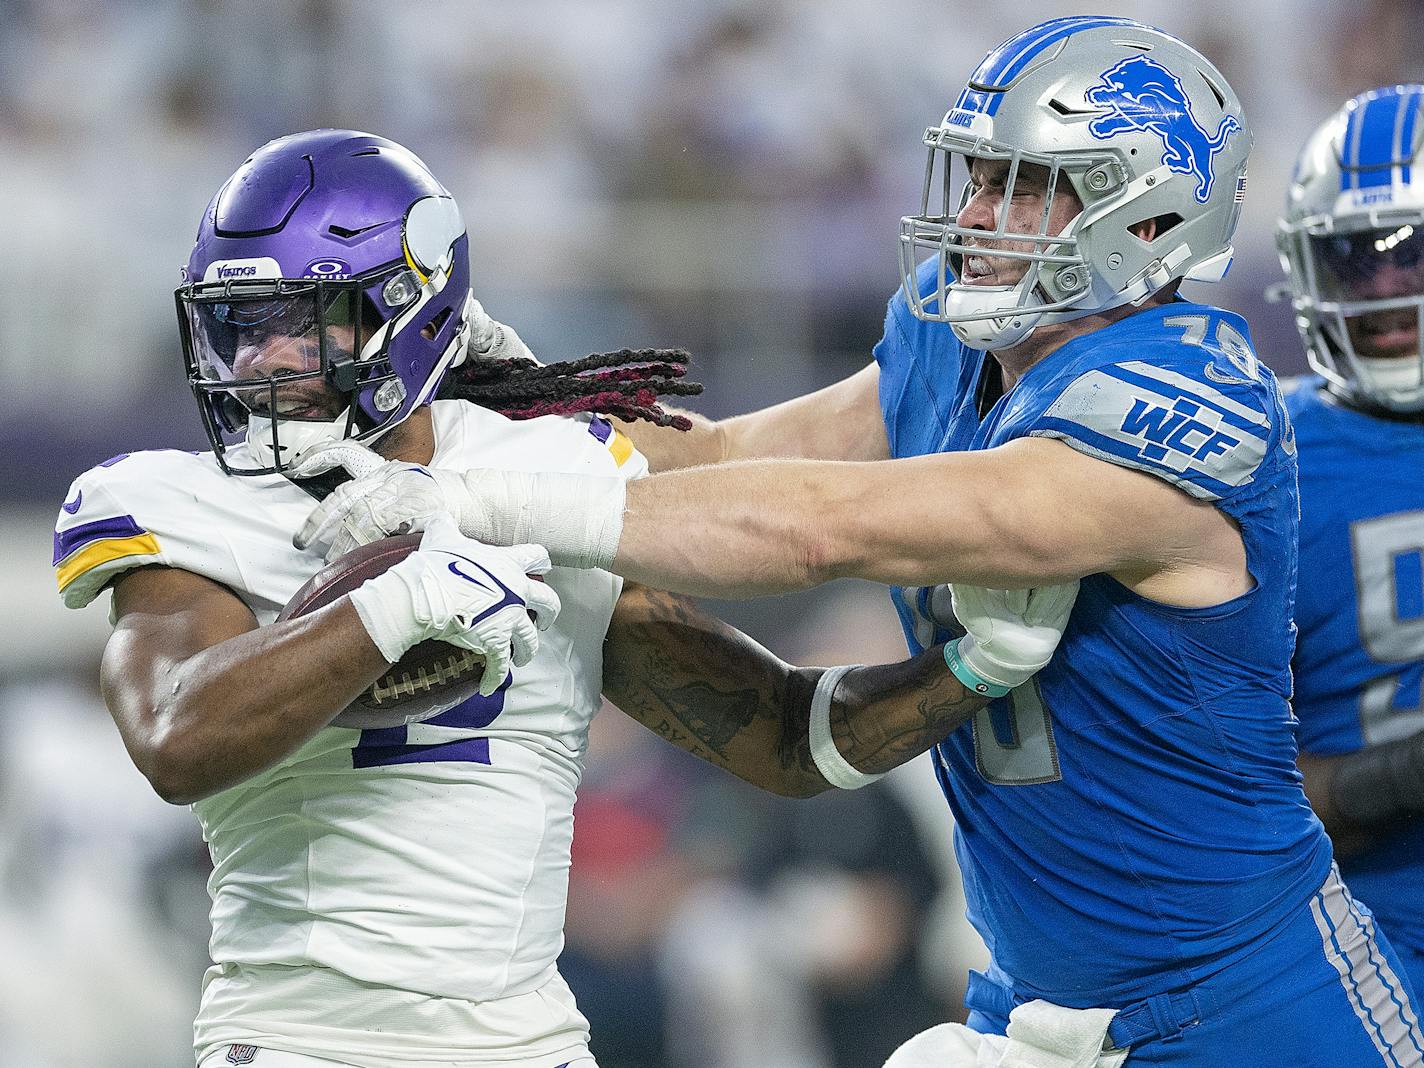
{"points": [[1197, 435], [239, 1053], [1187, 428]]}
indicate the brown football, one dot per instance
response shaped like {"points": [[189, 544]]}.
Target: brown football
{"points": [[431, 678]]}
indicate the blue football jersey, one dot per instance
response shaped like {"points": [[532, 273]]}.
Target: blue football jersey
{"points": [[1360, 655], [1131, 820]]}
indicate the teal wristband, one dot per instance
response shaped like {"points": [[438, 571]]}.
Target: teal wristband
{"points": [[965, 674]]}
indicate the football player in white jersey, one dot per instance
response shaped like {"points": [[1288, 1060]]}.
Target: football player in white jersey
{"points": [[395, 895]]}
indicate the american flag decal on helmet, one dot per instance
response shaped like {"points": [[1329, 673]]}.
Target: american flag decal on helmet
{"points": [[241, 1054]]}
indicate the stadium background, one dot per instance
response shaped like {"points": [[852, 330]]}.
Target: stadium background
{"points": [[720, 175]]}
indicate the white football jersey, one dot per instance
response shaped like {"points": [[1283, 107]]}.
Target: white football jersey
{"points": [[393, 894]]}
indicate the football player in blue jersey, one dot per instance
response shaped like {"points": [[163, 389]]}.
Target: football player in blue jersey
{"points": [[1137, 849], [1352, 243]]}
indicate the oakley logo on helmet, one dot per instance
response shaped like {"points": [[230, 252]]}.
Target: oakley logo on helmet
{"points": [[1143, 95], [327, 268]]}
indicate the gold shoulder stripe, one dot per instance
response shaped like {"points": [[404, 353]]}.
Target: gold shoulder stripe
{"points": [[620, 447], [101, 552]]}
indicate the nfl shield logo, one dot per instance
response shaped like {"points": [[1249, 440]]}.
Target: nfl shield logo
{"points": [[240, 1054]]}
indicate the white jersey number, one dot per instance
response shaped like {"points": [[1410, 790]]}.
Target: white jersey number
{"points": [[1389, 585]]}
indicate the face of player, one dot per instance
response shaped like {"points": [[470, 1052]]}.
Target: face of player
{"points": [[270, 355], [987, 196], [1376, 265]]}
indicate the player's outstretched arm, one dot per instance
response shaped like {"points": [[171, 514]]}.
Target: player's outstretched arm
{"points": [[709, 689], [840, 422], [1031, 512], [1027, 513], [714, 692]]}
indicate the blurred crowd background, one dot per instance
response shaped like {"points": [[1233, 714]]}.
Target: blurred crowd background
{"points": [[723, 175]]}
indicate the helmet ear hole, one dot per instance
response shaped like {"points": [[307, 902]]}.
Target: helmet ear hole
{"points": [[432, 329], [1150, 229]]}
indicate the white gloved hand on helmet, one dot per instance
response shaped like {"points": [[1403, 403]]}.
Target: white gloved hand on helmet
{"points": [[492, 340]]}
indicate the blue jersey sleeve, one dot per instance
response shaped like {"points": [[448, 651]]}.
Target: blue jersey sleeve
{"points": [[1164, 401]]}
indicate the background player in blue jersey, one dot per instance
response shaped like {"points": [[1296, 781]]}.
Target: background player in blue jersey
{"points": [[1131, 825], [1352, 242]]}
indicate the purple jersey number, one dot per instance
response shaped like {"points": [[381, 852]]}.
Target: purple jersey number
{"points": [[389, 745]]}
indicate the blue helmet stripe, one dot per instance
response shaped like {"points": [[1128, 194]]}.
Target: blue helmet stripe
{"points": [[1347, 145], [972, 100], [1008, 60], [1406, 132], [991, 69], [1376, 145]]}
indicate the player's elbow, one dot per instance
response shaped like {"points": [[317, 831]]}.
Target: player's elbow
{"points": [[817, 556], [174, 777], [175, 766]]}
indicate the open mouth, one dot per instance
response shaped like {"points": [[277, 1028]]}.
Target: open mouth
{"points": [[296, 406], [1387, 335], [982, 270], [977, 270]]}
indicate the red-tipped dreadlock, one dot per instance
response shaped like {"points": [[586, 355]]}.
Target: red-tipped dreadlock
{"points": [[625, 384]]}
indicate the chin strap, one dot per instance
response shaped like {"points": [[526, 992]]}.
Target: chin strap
{"points": [[293, 437]]}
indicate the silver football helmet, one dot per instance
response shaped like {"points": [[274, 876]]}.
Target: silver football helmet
{"points": [[1352, 246], [1127, 119]]}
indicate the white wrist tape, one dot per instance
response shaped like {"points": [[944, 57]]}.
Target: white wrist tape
{"points": [[578, 518], [386, 605], [834, 768]]}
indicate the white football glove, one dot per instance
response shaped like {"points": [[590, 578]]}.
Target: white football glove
{"points": [[474, 596], [1012, 633], [579, 518], [492, 340], [386, 497]]}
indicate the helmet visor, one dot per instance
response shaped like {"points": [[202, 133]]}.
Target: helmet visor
{"points": [[270, 346], [1367, 265]]}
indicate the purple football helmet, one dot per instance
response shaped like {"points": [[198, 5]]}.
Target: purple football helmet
{"points": [[326, 296]]}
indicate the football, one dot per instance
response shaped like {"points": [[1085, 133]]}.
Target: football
{"points": [[431, 678]]}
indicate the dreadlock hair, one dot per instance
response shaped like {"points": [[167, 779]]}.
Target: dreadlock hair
{"points": [[625, 384]]}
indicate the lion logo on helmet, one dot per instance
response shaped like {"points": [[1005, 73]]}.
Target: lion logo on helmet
{"points": [[1143, 95]]}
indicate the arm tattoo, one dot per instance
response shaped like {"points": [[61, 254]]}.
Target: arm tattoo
{"points": [[691, 678], [885, 715], [709, 689]]}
